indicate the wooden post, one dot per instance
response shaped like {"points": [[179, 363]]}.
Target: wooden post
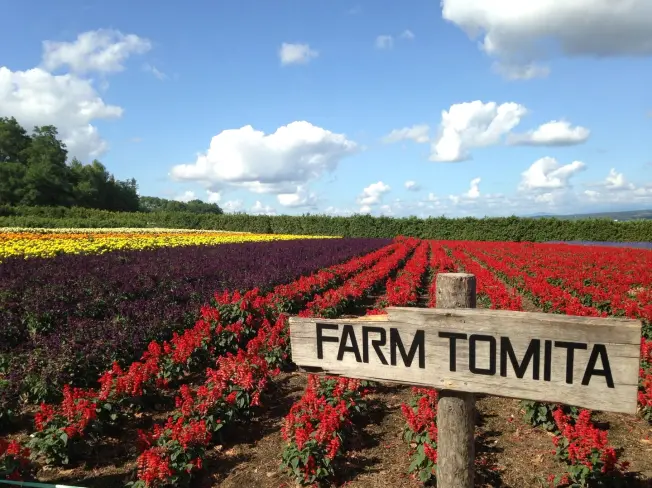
{"points": [[455, 410]]}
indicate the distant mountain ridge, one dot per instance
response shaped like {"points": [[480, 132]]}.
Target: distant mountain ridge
{"points": [[626, 215]]}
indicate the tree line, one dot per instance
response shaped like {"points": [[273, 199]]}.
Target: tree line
{"points": [[485, 229], [35, 172]]}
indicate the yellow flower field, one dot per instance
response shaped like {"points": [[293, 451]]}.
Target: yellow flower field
{"points": [[50, 242]]}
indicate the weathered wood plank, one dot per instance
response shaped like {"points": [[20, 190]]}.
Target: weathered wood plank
{"points": [[455, 409], [560, 354]]}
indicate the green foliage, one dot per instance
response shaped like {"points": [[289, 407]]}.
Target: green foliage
{"points": [[486, 229], [539, 414]]}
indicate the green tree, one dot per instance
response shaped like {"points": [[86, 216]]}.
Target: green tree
{"points": [[47, 179], [14, 140]]}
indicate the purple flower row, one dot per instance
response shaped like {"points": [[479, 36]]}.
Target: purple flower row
{"points": [[65, 319]]}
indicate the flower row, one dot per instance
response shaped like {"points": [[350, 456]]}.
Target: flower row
{"points": [[47, 244], [317, 425], [208, 411], [223, 329], [403, 291], [334, 301], [67, 319]]}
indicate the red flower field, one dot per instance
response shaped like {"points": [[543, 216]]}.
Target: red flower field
{"points": [[218, 403]]}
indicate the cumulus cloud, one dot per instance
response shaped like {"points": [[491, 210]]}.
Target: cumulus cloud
{"points": [[213, 196], [547, 174], [260, 209], [186, 196], [267, 163], [412, 186], [232, 206], [299, 198], [473, 124], [614, 182], [553, 133], [384, 41], [36, 97], [338, 212], [296, 53], [519, 33], [69, 101], [616, 191], [416, 133], [474, 188], [103, 50], [372, 195]]}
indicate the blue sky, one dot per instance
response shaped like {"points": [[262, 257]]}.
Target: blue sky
{"points": [[536, 113]]}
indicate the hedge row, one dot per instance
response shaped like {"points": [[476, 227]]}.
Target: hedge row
{"points": [[486, 229]]}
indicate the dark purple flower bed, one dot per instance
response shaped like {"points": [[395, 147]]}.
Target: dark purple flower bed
{"points": [[65, 319]]}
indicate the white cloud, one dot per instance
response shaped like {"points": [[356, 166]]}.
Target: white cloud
{"points": [[526, 71], [384, 42], [274, 163], [186, 196], [232, 206], [103, 50], [155, 71], [614, 182], [260, 209], [300, 198], [213, 196], [553, 133], [474, 188], [523, 32], [615, 190], [473, 124], [296, 53], [416, 133], [36, 97], [372, 195], [547, 174], [338, 212], [407, 34], [412, 185]]}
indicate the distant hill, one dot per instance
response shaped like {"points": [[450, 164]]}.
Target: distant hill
{"points": [[622, 216]]}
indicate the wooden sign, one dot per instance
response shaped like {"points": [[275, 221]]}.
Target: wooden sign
{"points": [[583, 361]]}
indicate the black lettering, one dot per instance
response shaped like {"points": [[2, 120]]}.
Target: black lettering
{"points": [[547, 361], [453, 336], [533, 352], [570, 356], [321, 339], [419, 343], [492, 354], [376, 343], [347, 331], [599, 350]]}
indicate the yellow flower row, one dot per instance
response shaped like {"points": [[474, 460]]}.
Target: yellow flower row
{"points": [[111, 230], [87, 241]]}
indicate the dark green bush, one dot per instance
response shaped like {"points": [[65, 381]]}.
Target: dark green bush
{"points": [[486, 229]]}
